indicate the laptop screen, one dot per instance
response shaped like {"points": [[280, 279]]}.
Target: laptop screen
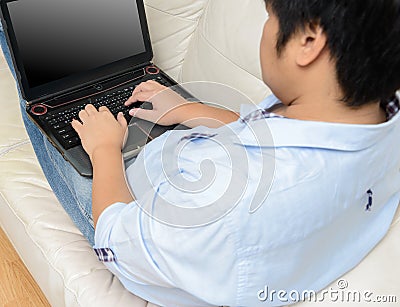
{"points": [[59, 43]]}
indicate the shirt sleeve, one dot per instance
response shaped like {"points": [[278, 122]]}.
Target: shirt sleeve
{"points": [[171, 236], [118, 229]]}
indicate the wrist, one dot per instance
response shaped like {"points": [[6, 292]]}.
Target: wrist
{"points": [[188, 111], [104, 152]]}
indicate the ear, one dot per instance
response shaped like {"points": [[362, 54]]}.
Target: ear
{"points": [[312, 43]]}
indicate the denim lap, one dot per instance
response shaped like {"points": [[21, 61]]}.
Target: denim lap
{"points": [[72, 190]]}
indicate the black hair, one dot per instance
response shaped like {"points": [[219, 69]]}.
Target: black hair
{"points": [[363, 37]]}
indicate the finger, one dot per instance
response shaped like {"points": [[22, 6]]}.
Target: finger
{"points": [[153, 82], [145, 86], [90, 109], [140, 88], [148, 86], [155, 86], [140, 96], [104, 108], [144, 96], [77, 126], [83, 115], [122, 120], [129, 101]]}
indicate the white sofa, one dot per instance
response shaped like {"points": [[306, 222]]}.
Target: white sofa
{"points": [[204, 40]]}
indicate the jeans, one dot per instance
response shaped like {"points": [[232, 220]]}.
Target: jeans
{"points": [[72, 190]]}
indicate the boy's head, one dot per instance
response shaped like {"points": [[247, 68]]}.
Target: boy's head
{"points": [[362, 38]]}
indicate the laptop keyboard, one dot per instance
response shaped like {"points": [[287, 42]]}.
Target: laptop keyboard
{"points": [[60, 120]]}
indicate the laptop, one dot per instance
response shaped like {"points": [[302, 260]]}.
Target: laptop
{"points": [[68, 54]]}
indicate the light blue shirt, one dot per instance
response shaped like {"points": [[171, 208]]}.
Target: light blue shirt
{"points": [[280, 203]]}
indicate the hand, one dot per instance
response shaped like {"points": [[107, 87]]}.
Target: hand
{"points": [[166, 103], [99, 129]]}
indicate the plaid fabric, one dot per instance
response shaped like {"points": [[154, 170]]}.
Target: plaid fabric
{"points": [[392, 108], [105, 254], [260, 114], [198, 135]]}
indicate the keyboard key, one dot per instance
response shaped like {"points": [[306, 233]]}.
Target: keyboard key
{"points": [[72, 142], [60, 120], [68, 135], [60, 125], [65, 130]]}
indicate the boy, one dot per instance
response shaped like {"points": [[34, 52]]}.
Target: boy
{"points": [[335, 163]]}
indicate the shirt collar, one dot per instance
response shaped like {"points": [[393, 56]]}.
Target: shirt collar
{"points": [[284, 132]]}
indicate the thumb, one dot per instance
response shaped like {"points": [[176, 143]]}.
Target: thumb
{"points": [[142, 114], [122, 120]]}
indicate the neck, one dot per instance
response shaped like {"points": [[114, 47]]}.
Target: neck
{"points": [[334, 111], [316, 108], [317, 97]]}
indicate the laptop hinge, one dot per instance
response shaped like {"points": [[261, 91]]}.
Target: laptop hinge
{"points": [[87, 85]]}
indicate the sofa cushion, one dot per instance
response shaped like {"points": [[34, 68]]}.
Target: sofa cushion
{"points": [[55, 252], [172, 25], [205, 40], [225, 48]]}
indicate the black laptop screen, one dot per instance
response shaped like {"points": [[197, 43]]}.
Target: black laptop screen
{"points": [[60, 38]]}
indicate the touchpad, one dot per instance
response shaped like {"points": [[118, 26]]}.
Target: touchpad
{"points": [[138, 136], [140, 132]]}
